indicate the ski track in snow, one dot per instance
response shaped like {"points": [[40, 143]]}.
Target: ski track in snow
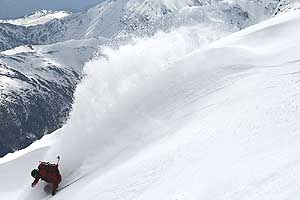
{"points": [[159, 120]]}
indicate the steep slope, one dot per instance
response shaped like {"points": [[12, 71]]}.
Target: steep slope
{"points": [[226, 118], [221, 122], [43, 94]]}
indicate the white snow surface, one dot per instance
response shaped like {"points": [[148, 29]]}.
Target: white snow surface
{"points": [[177, 116]]}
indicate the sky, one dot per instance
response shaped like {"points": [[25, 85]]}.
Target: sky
{"points": [[18, 8]]}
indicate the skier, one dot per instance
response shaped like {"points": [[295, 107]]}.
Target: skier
{"points": [[49, 173]]}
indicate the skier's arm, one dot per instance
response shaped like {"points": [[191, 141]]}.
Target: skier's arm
{"points": [[36, 180]]}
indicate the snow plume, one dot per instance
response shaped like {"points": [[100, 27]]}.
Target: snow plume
{"points": [[110, 115]]}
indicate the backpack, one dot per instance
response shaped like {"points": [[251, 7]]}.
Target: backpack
{"points": [[50, 168]]}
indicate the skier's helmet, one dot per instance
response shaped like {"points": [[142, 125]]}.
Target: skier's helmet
{"points": [[34, 173]]}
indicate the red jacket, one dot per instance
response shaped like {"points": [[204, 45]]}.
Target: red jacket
{"points": [[50, 174]]}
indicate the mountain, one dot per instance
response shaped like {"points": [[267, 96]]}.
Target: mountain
{"points": [[178, 116], [37, 86], [123, 18], [42, 63], [12, 9], [38, 17]]}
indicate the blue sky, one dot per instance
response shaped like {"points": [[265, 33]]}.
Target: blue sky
{"points": [[18, 8]]}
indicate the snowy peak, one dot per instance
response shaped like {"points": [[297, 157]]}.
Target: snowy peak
{"points": [[125, 18], [39, 17], [162, 6], [112, 17]]}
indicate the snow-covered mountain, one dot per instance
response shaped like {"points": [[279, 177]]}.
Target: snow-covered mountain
{"points": [[49, 65], [37, 85], [12, 9], [177, 116], [123, 18], [38, 17]]}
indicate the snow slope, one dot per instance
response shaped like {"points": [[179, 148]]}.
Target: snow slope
{"points": [[23, 118], [157, 121]]}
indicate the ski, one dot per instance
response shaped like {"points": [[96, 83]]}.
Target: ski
{"points": [[67, 185]]}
